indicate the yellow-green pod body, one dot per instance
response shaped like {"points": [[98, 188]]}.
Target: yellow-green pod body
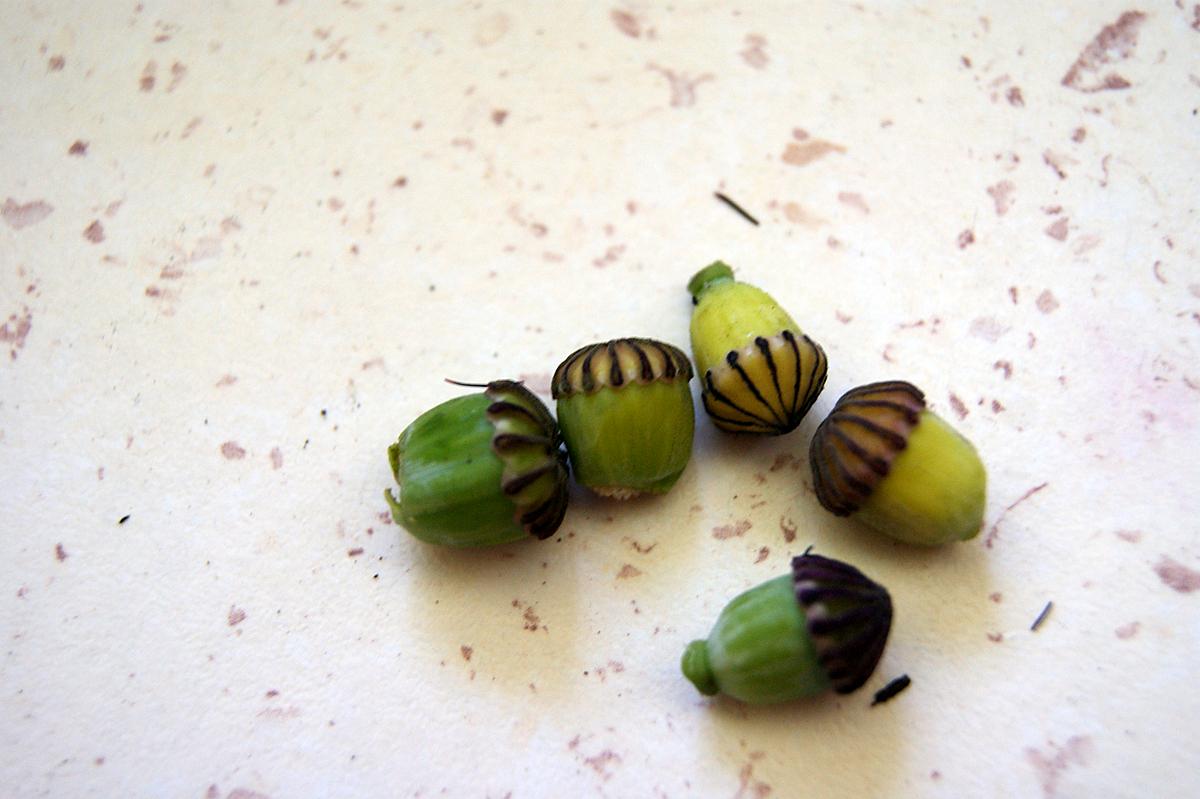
{"points": [[882, 456], [760, 373], [823, 626], [626, 415]]}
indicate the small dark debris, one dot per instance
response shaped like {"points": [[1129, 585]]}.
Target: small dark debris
{"points": [[740, 210], [1041, 617], [324, 412], [123, 519], [891, 689], [807, 549]]}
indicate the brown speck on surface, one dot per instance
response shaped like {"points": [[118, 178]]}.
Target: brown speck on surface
{"points": [[20, 215], [994, 532], [1013, 294], [642, 549], [748, 787], [763, 554], [1014, 97], [226, 380], [988, 328], [231, 450], [966, 238], [1056, 162], [146, 82], [178, 71], [94, 232], [60, 554], [627, 571], [734, 530], [56, 63], [788, 528], [1130, 536], [15, 330], [236, 616], [1046, 303], [603, 762], [1115, 42], [498, 116], [1058, 229], [78, 147], [466, 651], [1127, 631], [1051, 764], [996, 638], [997, 406], [626, 22], [958, 406], [1176, 576], [611, 255], [276, 458], [996, 597], [800, 154], [854, 200], [1078, 135], [1001, 195], [844, 318], [797, 214], [755, 53], [683, 88], [400, 182], [355, 552]]}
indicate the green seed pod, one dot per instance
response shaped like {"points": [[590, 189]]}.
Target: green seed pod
{"points": [[898, 467], [822, 626], [482, 469], [626, 414], [761, 374]]}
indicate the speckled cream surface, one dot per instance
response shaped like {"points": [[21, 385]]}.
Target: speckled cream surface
{"points": [[242, 244]]}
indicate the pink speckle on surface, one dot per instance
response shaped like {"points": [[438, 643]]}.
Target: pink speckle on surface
{"points": [[683, 88], [958, 406], [1176, 576], [1130, 536], [232, 451], [1127, 631], [1057, 162], [628, 571], [755, 54], [21, 215], [1002, 196], [966, 239], [1014, 97], [226, 380], [994, 531], [1051, 764], [78, 147], [276, 458], [988, 328], [626, 23], [1004, 366], [354, 552], [498, 116], [235, 616], [763, 554], [15, 330], [1046, 303], [1115, 42], [802, 153], [60, 554], [94, 232], [734, 530], [55, 63], [854, 200], [1058, 229]]}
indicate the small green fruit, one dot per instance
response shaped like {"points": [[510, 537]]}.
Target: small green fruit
{"points": [[626, 415], [899, 467], [824, 625], [761, 374], [482, 469]]}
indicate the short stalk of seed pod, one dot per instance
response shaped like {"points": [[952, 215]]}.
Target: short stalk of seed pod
{"points": [[487, 468], [822, 626], [882, 456], [626, 415], [760, 373]]}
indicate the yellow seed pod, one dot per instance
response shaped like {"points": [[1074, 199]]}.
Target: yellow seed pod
{"points": [[760, 373]]}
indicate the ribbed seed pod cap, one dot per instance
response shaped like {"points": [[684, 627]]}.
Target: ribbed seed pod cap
{"points": [[626, 415], [853, 449], [898, 467], [481, 469], [849, 617]]}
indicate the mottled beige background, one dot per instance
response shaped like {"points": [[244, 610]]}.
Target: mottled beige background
{"points": [[243, 242]]}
